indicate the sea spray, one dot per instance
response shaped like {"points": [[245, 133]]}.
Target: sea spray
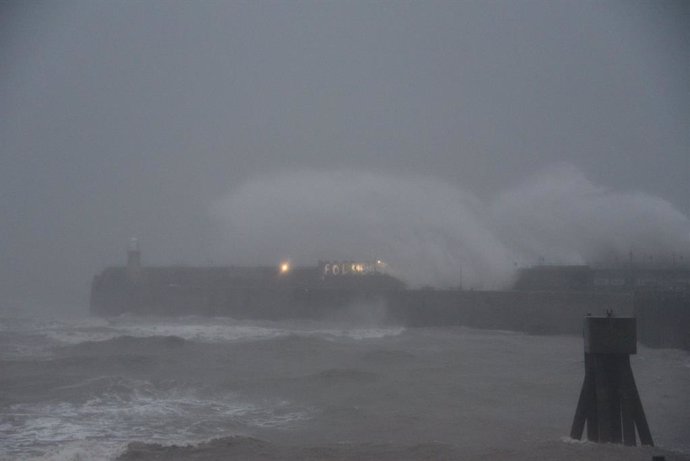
{"points": [[561, 217], [428, 231], [434, 233]]}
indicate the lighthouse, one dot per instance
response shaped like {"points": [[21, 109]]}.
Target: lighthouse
{"points": [[133, 261]]}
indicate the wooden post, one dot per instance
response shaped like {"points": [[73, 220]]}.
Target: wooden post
{"points": [[609, 402]]}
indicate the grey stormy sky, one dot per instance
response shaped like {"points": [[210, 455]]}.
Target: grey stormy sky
{"points": [[133, 117]]}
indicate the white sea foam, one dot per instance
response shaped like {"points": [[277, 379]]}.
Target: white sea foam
{"points": [[570, 440], [75, 336], [82, 450], [195, 332], [358, 333], [202, 330], [206, 333], [139, 412]]}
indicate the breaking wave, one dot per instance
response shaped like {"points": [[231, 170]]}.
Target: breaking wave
{"points": [[116, 410], [434, 233], [165, 330]]}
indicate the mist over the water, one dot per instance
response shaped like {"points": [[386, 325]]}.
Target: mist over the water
{"points": [[434, 233]]}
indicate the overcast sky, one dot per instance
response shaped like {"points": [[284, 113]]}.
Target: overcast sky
{"points": [[132, 118]]}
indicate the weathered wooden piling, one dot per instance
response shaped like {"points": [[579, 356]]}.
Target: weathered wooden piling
{"points": [[609, 402]]}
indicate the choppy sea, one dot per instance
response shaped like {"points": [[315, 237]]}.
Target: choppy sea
{"points": [[81, 387]]}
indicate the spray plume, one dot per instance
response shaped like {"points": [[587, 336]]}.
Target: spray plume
{"points": [[433, 233]]}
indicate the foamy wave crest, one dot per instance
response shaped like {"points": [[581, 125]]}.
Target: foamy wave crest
{"points": [[202, 332], [206, 333], [434, 233], [125, 410], [198, 329], [356, 333], [82, 450], [28, 337]]}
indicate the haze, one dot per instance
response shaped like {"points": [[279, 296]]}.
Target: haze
{"points": [[168, 120]]}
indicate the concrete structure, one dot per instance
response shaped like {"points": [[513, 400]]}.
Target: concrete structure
{"points": [[133, 261], [586, 278], [546, 299], [609, 402]]}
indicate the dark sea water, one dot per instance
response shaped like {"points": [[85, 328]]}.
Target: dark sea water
{"points": [[79, 388]]}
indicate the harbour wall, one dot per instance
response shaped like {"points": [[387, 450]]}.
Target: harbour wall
{"points": [[663, 317], [537, 312]]}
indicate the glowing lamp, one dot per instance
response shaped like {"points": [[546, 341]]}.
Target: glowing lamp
{"points": [[284, 267]]}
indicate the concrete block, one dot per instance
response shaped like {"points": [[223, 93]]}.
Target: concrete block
{"points": [[610, 335]]}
